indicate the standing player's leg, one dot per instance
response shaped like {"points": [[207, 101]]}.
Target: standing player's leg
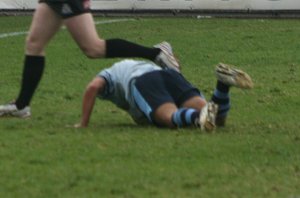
{"points": [[83, 31], [44, 25], [227, 77]]}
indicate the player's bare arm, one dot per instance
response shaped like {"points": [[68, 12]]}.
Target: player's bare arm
{"points": [[95, 87]]}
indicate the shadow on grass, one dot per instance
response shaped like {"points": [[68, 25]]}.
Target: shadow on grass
{"points": [[119, 127]]}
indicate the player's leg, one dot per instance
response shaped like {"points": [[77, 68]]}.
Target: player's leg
{"points": [[222, 98], [169, 115], [186, 96], [164, 112], [163, 115], [227, 77], [153, 96], [44, 25], [84, 32], [207, 110], [195, 102]]}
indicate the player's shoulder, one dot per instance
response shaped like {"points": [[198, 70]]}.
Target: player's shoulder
{"points": [[130, 62], [131, 67]]}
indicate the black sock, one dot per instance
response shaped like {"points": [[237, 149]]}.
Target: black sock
{"points": [[119, 48], [222, 87], [32, 73], [222, 98]]}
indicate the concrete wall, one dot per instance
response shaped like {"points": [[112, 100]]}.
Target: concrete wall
{"points": [[172, 4]]}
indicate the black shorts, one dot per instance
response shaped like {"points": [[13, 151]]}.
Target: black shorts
{"points": [[156, 88], [69, 8]]}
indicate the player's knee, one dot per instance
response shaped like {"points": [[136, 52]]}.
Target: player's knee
{"points": [[97, 50], [91, 53], [33, 46], [163, 115]]}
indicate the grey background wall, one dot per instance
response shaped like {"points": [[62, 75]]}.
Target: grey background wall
{"points": [[172, 4]]}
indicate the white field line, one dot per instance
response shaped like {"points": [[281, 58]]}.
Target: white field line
{"points": [[113, 21], [12, 34]]}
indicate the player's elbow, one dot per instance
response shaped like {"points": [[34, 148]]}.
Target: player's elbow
{"points": [[92, 88], [97, 85]]}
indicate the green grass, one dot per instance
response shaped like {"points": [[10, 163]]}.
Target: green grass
{"points": [[256, 155]]}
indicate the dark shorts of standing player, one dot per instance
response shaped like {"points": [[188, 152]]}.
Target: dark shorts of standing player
{"points": [[68, 8]]}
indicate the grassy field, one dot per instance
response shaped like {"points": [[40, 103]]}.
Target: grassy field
{"points": [[256, 155]]}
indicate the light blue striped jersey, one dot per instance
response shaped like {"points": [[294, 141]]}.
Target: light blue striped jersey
{"points": [[119, 78]]}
